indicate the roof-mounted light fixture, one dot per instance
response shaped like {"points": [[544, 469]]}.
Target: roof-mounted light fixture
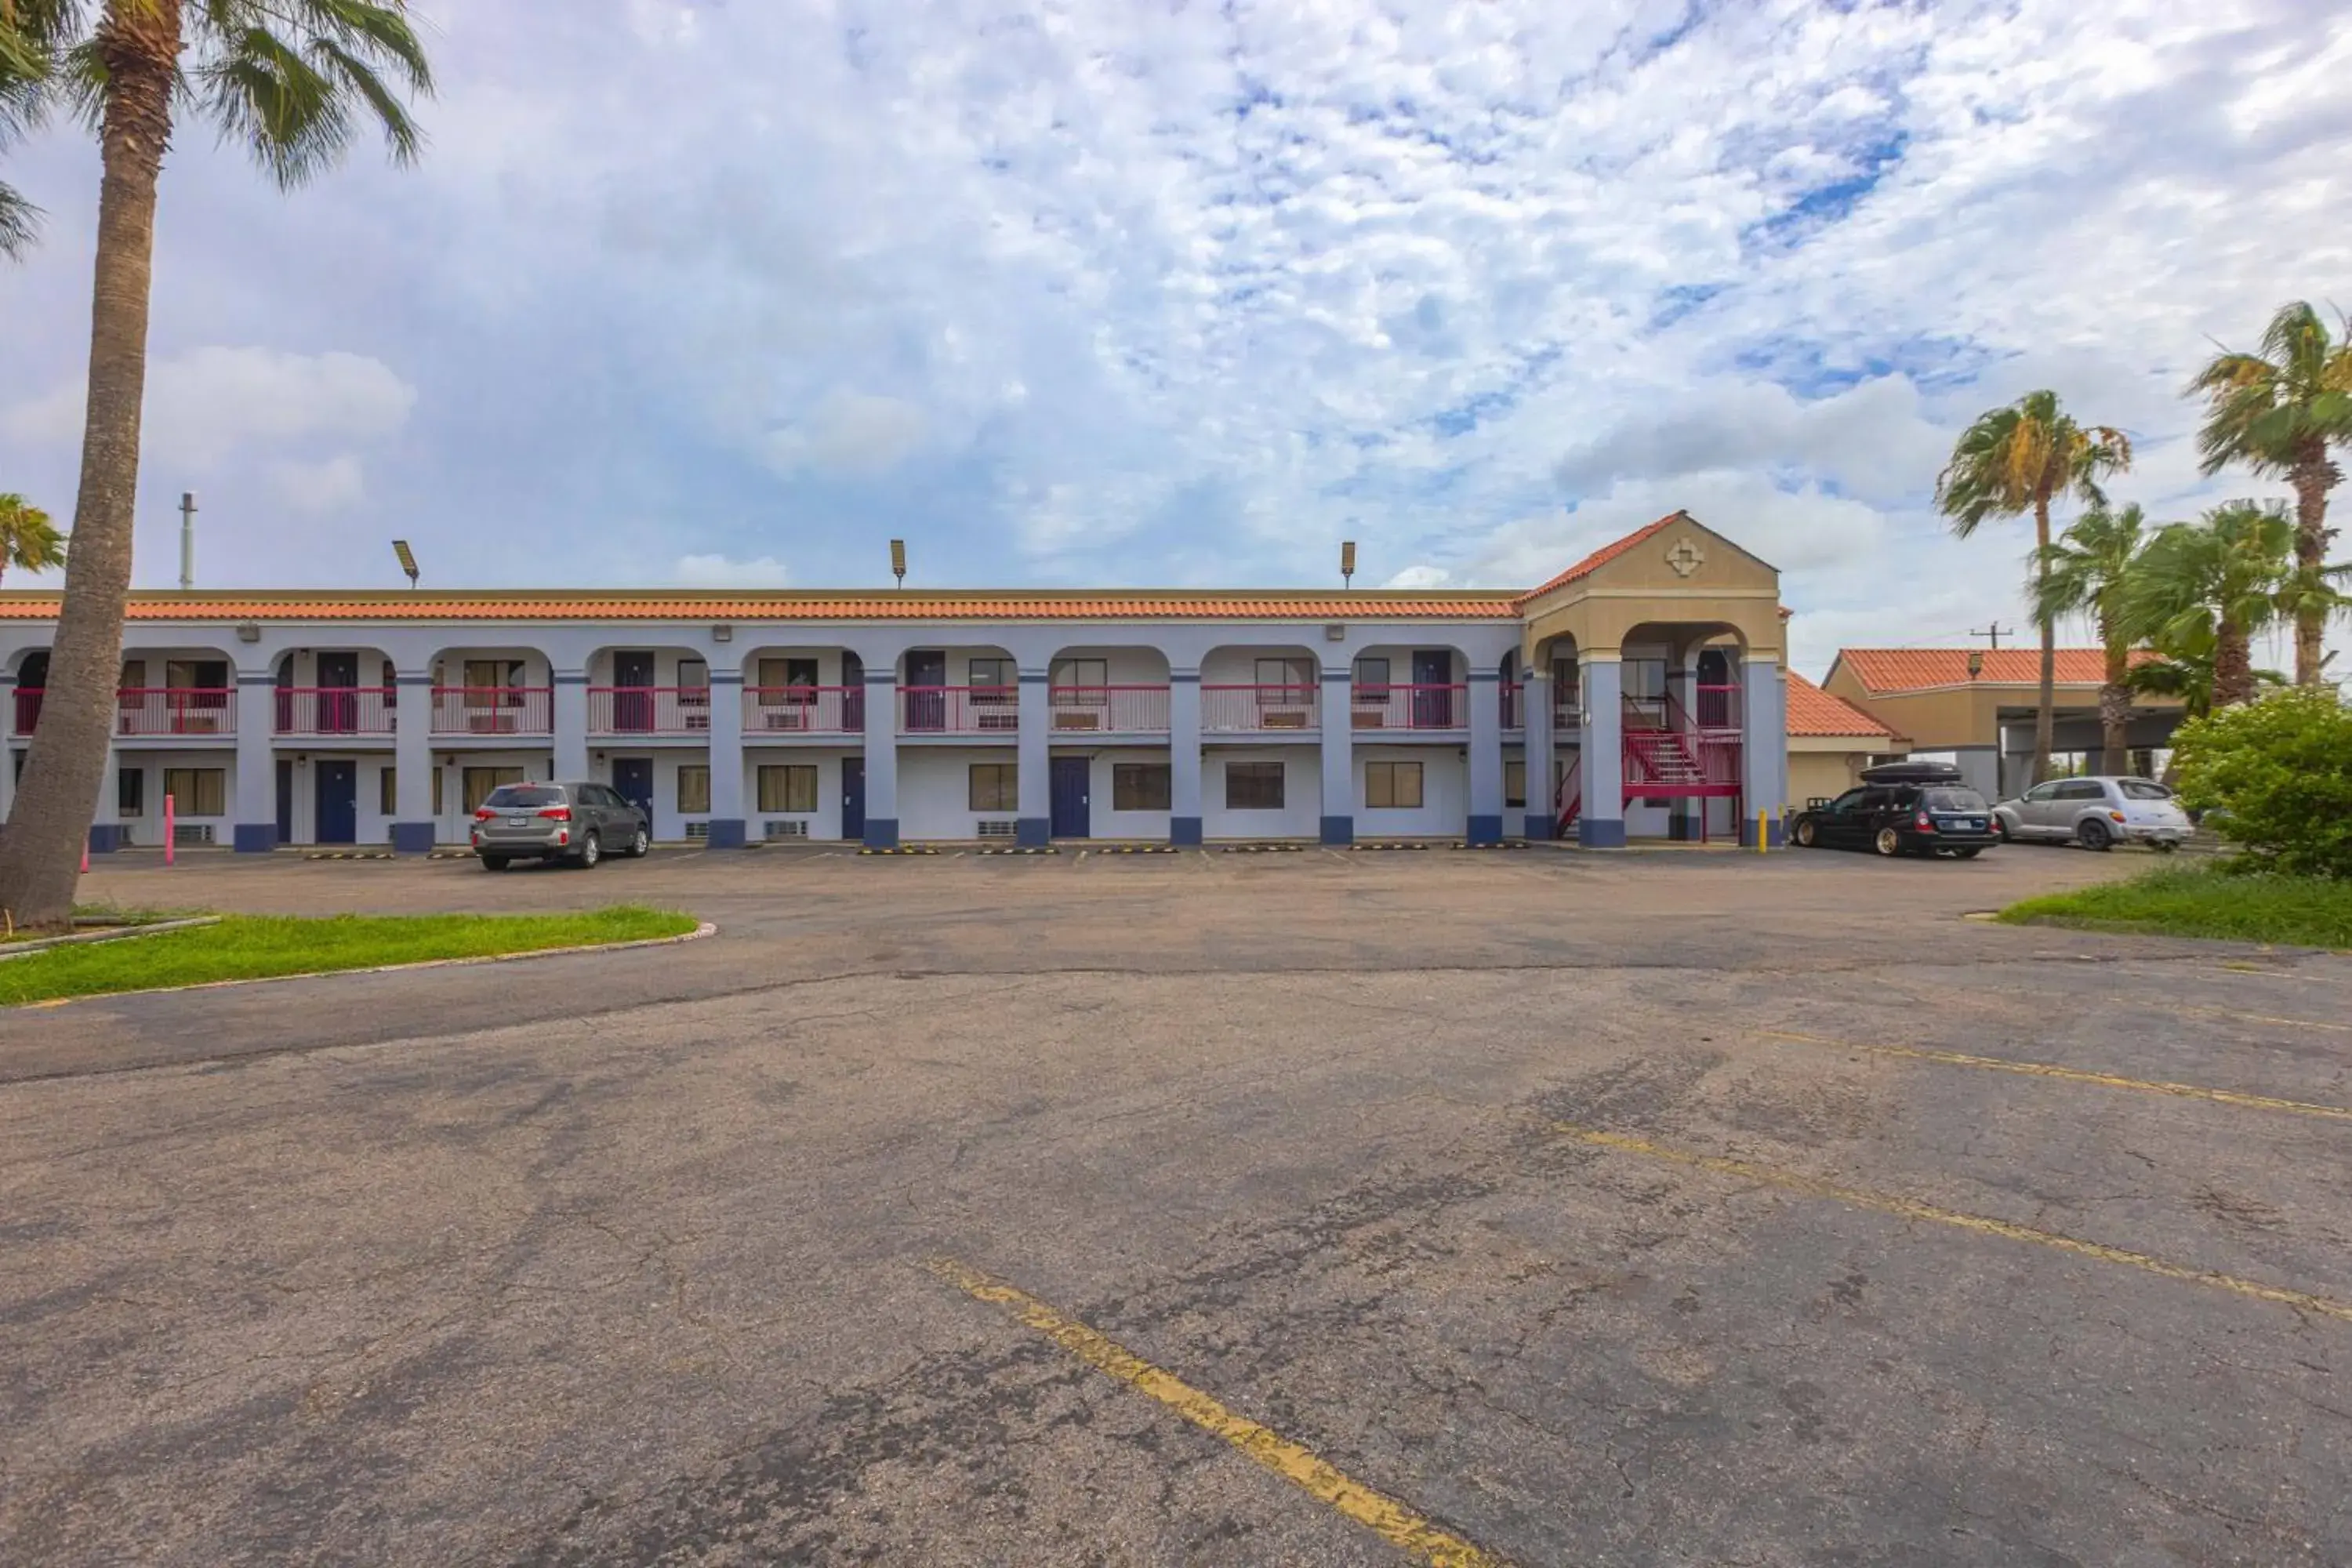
{"points": [[1347, 563], [899, 561], [407, 558], [1976, 662]]}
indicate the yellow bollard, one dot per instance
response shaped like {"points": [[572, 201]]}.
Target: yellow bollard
{"points": [[1761, 818]]}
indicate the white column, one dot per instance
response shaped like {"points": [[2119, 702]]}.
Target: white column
{"points": [[882, 757], [1763, 748], [257, 760], [414, 829], [1542, 814], [1185, 756], [1338, 750], [1485, 697], [1034, 823], [106, 834], [726, 830], [569, 716], [1601, 824]]}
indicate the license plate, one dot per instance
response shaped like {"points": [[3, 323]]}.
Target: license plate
{"points": [[517, 822]]}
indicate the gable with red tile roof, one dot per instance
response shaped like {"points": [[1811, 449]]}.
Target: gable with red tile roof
{"points": [[1885, 671], [1813, 711]]}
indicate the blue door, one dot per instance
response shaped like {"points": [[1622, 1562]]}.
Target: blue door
{"points": [[337, 780], [1432, 695], [285, 800], [927, 680], [853, 799], [339, 700], [633, 777], [1072, 779]]}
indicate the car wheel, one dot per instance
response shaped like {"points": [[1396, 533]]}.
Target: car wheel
{"points": [[640, 844], [591, 851], [2001, 829], [1967, 854], [494, 862], [2167, 846], [2092, 834], [1888, 842], [1804, 833]]}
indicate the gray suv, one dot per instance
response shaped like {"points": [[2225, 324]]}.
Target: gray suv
{"points": [[577, 822], [2095, 813]]}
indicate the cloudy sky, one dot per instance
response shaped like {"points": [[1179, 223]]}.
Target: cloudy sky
{"points": [[1158, 292]]}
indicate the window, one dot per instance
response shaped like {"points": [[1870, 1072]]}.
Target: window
{"points": [[1372, 678], [1850, 801], [1140, 786], [694, 788], [1254, 786], [513, 796], [693, 683], [134, 675], [2041, 792], [995, 787], [481, 783], [1515, 784], [1286, 681], [389, 786], [992, 680], [2140, 789], [197, 791], [2080, 789], [1081, 682], [788, 787], [1954, 800], [130, 793], [1392, 785]]}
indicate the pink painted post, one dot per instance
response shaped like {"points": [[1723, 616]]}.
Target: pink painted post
{"points": [[171, 838]]}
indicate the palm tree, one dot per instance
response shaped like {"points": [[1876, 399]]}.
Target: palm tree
{"points": [[2020, 458], [291, 81], [2280, 412], [23, 70], [2091, 569], [2205, 588], [27, 537]]}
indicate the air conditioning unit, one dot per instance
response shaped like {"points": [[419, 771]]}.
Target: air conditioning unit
{"points": [[996, 721], [1004, 829], [187, 833], [786, 827], [698, 830], [1077, 720], [697, 722], [788, 718]]}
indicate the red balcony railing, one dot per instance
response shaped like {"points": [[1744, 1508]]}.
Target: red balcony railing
{"points": [[493, 710], [1111, 710], [802, 710], [959, 710], [335, 710], [1510, 694], [1410, 707], [28, 708], [175, 710], [1235, 709], [1718, 708], [649, 709]]}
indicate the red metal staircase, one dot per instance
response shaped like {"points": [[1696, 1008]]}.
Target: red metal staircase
{"points": [[1661, 752]]}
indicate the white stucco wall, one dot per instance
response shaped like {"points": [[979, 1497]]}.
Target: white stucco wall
{"points": [[824, 822], [1445, 793], [145, 829], [1301, 815], [935, 790], [1106, 822]]}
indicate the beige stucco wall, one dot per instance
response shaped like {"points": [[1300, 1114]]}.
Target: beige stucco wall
{"points": [[1823, 774], [1727, 589]]}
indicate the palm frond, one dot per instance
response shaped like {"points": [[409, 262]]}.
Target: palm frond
{"points": [[293, 80]]}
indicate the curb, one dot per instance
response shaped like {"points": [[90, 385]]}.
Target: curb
{"points": [[1262, 849], [1020, 849], [702, 929], [111, 933], [902, 849]]}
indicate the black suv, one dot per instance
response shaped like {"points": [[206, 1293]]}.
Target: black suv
{"points": [[1903, 808]]}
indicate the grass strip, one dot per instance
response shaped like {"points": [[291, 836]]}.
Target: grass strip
{"points": [[256, 947], [2207, 901]]}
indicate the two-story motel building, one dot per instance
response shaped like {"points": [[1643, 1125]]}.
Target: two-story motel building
{"points": [[1644, 682]]}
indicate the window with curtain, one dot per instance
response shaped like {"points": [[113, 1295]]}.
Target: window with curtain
{"points": [[1080, 682], [197, 791], [693, 683], [480, 781], [790, 786], [693, 788], [1391, 785], [995, 787], [1140, 786], [1515, 784], [1254, 786]]}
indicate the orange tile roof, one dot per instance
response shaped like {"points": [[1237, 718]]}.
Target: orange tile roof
{"points": [[1140, 605], [1813, 711], [1891, 669], [1606, 554]]}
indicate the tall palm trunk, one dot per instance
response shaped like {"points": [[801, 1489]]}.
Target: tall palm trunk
{"points": [[40, 853], [2045, 717], [2233, 663], [2115, 701], [2313, 477]]}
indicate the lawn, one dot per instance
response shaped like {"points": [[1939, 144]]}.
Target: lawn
{"points": [[2180, 900], [256, 947]]}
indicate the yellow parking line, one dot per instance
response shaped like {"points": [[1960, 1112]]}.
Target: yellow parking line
{"points": [[2235, 1016], [1376, 1511], [2071, 1075], [1911, 1209]]}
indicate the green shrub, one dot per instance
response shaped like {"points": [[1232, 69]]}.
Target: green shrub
{"points": [[2276, 778]]}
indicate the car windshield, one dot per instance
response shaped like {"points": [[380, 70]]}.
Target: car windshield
{"points": [[1955, 800], [2140, 789], [513, 798]]}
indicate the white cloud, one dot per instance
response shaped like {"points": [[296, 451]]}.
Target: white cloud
{"points": [[1421, 576], [849, 432], [321, 488], [720, 572]]}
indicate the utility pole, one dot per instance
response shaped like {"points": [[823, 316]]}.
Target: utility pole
{"points": [[1996, 632], [187, 539]]}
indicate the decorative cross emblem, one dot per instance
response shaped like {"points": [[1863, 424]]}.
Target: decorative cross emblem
{"points": [[1685, 557]]}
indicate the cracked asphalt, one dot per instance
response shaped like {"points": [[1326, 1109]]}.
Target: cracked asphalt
{"points": [[620, 1259]]}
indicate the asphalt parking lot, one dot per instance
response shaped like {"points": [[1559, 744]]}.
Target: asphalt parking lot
{"points": [[1523, 1208]]}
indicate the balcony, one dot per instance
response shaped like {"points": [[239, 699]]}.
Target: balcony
{"points": [[1256, 709], [780, 711], [1108, 710], [493, 710], [173, 710], [335, 710], [649, 710], [1410, 707], [960, 711]]}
